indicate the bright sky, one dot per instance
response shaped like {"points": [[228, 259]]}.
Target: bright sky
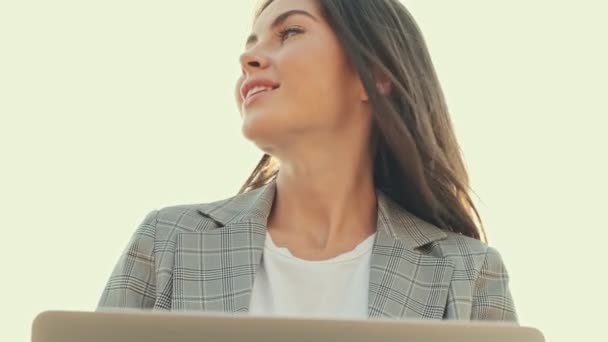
{"points": [[111, 109]]}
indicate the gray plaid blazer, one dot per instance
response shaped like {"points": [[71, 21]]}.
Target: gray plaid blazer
{"points": [[203, 257]]}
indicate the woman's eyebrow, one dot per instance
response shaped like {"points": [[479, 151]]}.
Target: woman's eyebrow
{"points": [[278, 20]]}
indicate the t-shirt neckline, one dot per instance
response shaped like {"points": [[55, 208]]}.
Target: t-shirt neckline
{"points": [[362, 248]]}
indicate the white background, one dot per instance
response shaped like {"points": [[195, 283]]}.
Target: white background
{"points": [[111, 109]]}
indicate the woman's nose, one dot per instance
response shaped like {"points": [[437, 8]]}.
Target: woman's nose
{"points": [[251, 61]]}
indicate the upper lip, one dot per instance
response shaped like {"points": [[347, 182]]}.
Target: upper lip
{"points": [[257, 81]]}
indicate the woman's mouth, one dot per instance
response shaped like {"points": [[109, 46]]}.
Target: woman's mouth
{"points": [[257, 96]]}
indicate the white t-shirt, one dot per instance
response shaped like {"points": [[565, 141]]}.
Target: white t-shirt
{"points": [[333, 288]]}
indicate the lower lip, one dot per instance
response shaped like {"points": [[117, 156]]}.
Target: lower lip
{"points": [[257, 96]]}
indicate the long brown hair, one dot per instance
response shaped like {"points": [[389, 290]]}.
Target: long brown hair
{"points": [[417, 159]]}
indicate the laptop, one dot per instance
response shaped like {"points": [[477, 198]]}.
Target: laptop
{"points": [[148, 326]]}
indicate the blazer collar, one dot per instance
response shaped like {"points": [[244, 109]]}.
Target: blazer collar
{"points": [[215, 267], [254, 206]]}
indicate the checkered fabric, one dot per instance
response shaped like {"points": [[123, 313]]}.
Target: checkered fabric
{"points": [[203, 257]]}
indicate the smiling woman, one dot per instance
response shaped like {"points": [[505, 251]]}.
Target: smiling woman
{"points": [[360, 205]]}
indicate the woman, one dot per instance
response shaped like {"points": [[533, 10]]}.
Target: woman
{"points": [[359, 207]]}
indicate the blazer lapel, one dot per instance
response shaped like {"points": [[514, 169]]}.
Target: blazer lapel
{"points": [[215, 268], [405, 283]]}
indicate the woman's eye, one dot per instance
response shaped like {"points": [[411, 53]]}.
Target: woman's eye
{"points": [[283, 34]]}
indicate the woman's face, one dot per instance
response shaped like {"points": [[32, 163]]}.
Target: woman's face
{"points": [[318, 94]]}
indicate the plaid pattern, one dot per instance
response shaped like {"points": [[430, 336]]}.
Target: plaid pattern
{"points": [[203, 257]]}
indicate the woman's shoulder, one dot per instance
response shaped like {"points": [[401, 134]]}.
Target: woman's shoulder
{"points": [[456, 244], [188, 217], [193, 217], [469, 254]]}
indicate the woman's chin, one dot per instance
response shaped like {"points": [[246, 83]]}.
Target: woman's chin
{"points": [[256, 127]]}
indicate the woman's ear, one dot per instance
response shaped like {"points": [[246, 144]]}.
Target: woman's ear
{"points": [[384, 87], [382, 82]]}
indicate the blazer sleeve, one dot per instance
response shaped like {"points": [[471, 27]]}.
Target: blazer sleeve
{"points": [[492, 298], [132, 283]]}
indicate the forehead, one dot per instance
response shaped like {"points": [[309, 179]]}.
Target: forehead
{"points": [[277, 7]]}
